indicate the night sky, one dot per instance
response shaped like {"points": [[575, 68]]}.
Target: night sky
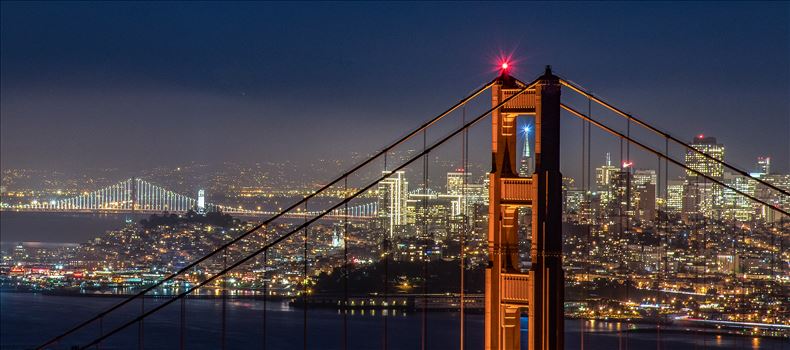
{"points": [[131, 85]]}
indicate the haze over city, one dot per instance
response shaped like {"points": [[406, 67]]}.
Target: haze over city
{"points": [[132, 85]]}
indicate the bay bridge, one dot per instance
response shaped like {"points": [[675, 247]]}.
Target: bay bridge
{"points": [[512, 287], [135, 195]]}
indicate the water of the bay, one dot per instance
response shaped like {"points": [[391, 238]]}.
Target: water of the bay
{"points": [[29, 319], [57, 227]]}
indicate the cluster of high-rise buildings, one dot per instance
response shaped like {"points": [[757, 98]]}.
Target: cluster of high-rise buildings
{"points": [[620, 191], [636, 193], [424, 211]]}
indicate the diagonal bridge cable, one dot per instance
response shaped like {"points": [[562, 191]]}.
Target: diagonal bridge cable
{"points": [[308, 222], [630, 117], [670, 159], [383, 151]]}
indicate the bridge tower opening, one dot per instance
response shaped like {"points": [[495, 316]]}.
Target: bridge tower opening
{"points": [[509, 289]]}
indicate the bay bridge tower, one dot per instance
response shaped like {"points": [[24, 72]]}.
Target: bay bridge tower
{"points": [[509, 288]]}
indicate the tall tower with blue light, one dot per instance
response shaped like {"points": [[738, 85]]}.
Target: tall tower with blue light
{"points": [[525, 164], [201, 202]]}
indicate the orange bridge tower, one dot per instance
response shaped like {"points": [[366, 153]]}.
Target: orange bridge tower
{"points": [[509, 290]]}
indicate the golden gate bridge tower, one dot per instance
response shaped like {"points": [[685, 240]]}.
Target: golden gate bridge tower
{"points": [[509, 290]]}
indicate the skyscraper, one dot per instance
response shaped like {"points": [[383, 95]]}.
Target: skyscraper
{"points": [[771, 196], [525, 165], [764, 165], [644, 183], [736, 206], [603, 179], [702, 164], [456, 181], [393, 192], [703, 197], [675, 196]]}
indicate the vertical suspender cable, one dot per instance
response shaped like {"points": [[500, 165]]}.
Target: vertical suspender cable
{"points": [[628, 184], [182, 325], [698, 202], [619, 198], [464, 221], [265, 295], [345, 266], [386, 248], [101, 330], [224, 297], [590, 217], [583, 208], [658, 231], [711, 202], [305, 284], [665, 237], [424, 337], [141, 326]]}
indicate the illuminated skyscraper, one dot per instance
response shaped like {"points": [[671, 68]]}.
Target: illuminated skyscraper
{"points": [[603, 179], [774, 197], [703, 197], [393, 192], [735, 205], [675, 196], [456, 181], [644, 185], [621, 202], [764, 165], [703, 164], [525, 165]]}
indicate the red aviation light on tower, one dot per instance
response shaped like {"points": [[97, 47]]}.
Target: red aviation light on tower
{"points": [[504, 63], [504, 67]]}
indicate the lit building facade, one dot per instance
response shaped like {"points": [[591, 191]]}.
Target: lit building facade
{"points": [[764, 165], [703, 197], [603, 180], [393, 192]]}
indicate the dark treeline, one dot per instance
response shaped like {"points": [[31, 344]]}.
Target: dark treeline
{"points": [[403, 277], [215, 218]]}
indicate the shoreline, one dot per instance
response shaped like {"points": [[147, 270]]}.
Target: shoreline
{"points": [[666, 326]]}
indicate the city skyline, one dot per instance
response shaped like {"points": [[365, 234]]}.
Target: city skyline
{"points": [[136, 103]]}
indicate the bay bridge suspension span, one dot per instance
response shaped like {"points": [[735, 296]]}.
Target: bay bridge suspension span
{"points": [[136, 195], [510, 289]]}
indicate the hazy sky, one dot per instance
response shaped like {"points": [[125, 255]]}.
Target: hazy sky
{"points": [[134, 85]]}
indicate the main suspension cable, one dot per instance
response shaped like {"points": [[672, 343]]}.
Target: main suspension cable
{"points": [[672, 160], [317, 217], [276, 216], [630, 117]]}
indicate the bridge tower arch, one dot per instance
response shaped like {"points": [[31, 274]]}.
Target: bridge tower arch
{"points": [[509, 289]]}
